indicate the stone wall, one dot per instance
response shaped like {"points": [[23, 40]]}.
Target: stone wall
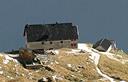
{"points": [[52, 44]]}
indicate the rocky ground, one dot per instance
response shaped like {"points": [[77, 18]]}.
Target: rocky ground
{"points": [[69, 65]]}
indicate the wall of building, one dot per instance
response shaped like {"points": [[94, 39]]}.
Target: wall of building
{"points": [[109, 49], [52, 44]]}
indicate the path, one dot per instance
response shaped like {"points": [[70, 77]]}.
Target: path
{"points": [[95, 57]]}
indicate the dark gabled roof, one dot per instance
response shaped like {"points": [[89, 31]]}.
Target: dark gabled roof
{"points": [[50, 32], [103, 44]]}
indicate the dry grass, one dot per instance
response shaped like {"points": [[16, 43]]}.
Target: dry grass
{"points": [[81, 69], [21, 79], [114, 68], [15, 71], [119, 52], [2, 79], [87, 71]]}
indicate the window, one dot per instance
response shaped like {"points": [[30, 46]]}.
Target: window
{"points": [[50, 48], [61, 41], [71, 44], [50, 42], [42, 43], [74, 44]]}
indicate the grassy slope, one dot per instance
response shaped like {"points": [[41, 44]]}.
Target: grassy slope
{"points": [[114, 68], [87, 71], [81, 69]]}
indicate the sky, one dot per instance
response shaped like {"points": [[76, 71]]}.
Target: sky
{"points": [[96, 19]]}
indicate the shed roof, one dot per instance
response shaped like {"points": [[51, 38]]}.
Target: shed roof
{"points": [[103, 44]]}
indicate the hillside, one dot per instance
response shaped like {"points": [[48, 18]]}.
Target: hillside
{"points": [[69, 65]]}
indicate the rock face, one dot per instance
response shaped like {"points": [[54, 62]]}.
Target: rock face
{"points": [[68, 65]]}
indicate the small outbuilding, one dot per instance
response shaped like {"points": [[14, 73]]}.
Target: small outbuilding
{"points": [[105, 45], [51, 36]]}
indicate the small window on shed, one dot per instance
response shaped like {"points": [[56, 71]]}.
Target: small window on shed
{"points": [[50, 42], [61, 41]]}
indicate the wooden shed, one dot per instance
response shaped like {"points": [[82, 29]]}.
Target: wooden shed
{"points": [[105, 45]]}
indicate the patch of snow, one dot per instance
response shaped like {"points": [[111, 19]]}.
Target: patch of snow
{"points": [[104, 75], [5, 61], [119, 56], [37, 71], [69, 65], [22, 74], [95, 57], [56, 62], [1, 55], [13, 68], [1, 72], [51, 63], [93, 54], [70, 52], [54, 77], [83, 46], [122, 81], [75, 51], [56, 51], [7, 58], [59, 78], [15, 65], [30, 73], [73, 75], [44, 79], [103, 79], [13, 55], [10, 77]]}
